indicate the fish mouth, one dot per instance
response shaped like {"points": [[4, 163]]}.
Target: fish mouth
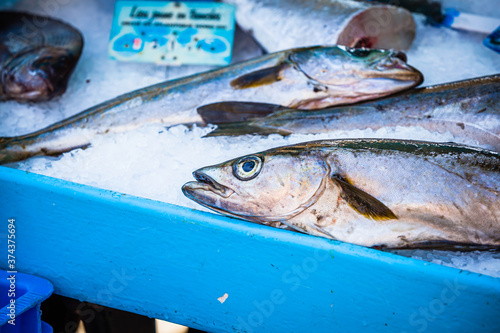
{"points": [[395, 67], [407, 75], [204, 183], [37, 88]]}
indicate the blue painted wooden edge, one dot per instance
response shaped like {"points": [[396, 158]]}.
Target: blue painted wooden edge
{"points": [[222, 274]]}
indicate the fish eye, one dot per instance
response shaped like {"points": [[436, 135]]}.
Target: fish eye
{"points": [[359, 53], [247, 168]]}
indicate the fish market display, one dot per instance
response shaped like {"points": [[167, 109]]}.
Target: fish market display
{"points": [[373, 192], [37, 56], [468, 109], [302, 78], [278, 25]]}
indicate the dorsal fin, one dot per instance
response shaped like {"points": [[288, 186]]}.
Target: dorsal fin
{"points": [[230, 112], [259, 78], [362, 202]]}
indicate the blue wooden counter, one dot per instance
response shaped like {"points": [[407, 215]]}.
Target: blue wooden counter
{"points": [[225, 275]]}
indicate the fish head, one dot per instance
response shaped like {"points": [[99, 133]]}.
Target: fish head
{"points": [[348, 75], [263, 187], [38, 76]]}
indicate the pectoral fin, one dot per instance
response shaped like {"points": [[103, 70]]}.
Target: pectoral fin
{"points": [[230, 112], [362, 202], [259, 78]]}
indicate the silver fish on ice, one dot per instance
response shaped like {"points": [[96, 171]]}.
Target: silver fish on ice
{"points": [[375, 192], [468, 109], [305, 78]]}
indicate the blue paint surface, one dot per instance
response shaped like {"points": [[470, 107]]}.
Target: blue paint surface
{"points": [[177, 264]]}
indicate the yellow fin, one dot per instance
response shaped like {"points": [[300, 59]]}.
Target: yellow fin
{"points": [[363, 202], [259, 78]]}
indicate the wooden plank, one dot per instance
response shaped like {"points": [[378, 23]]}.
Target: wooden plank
{"points": [[222, 274]]}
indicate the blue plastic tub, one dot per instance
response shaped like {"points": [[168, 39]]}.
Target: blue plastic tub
{"points": [[28, 293]]}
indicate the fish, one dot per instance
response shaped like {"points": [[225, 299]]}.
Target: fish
{"points": [[298, 23], [468, 109], [303, 78], [382, 193], [37, 56]]}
